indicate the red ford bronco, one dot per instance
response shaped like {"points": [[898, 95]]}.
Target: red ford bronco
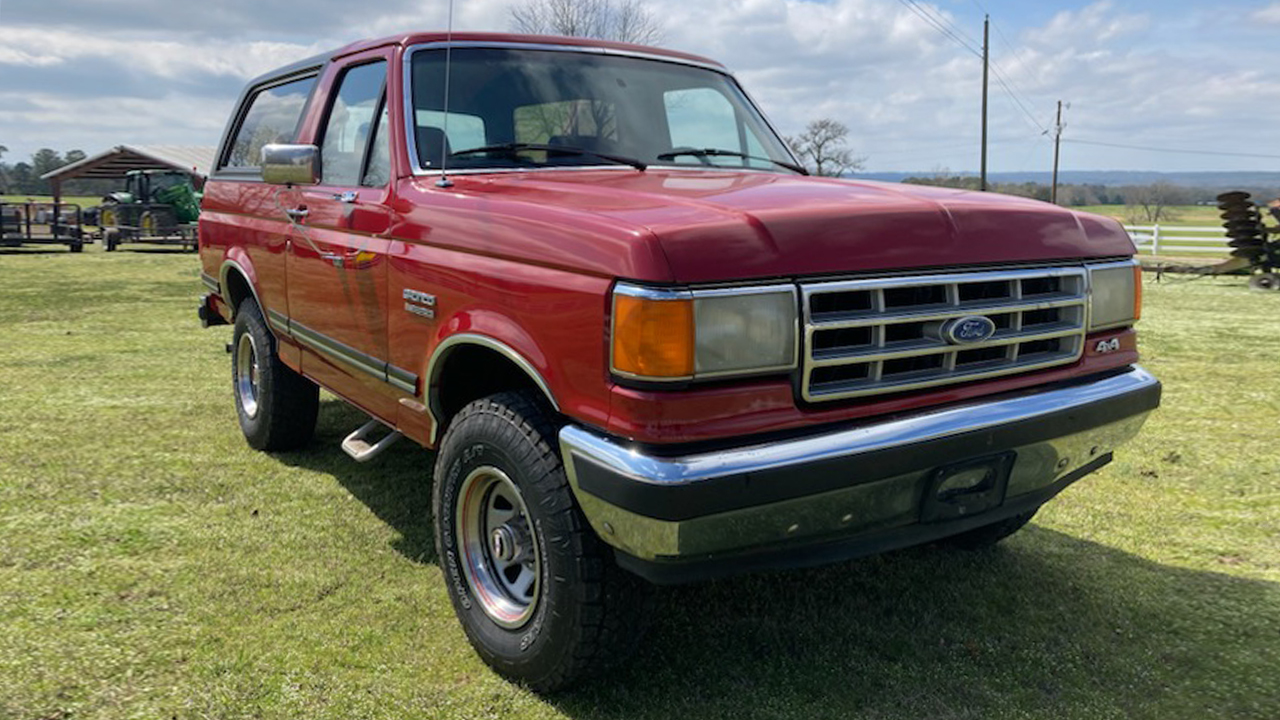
{"points": [[643, 343]]}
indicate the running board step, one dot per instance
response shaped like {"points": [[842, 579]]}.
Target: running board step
{"points": [[357, 443]]}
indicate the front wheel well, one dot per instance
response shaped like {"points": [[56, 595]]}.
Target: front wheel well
{"points": [[471, 372]]}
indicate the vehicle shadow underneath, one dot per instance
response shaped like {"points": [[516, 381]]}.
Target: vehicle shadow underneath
{"points": [[1046, 624], [395, 486]]}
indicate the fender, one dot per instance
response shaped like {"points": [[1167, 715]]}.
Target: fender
{"points": [[431, 382], [238, 260]]}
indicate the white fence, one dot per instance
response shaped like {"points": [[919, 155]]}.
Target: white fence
{"points": [[1179, 240]]}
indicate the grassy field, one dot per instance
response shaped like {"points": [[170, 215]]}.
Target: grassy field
{"points": [[152, 566], [1177, 215], [83, 202]]}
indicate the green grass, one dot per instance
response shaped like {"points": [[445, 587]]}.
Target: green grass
{"points": [[152, 566], [83, 201]]}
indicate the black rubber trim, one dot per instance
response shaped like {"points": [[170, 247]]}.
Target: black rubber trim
{"points": [[744, 490], [364, 362], [826, 551]]}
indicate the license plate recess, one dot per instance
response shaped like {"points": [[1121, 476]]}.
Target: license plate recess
{"points": [[967, 488]]}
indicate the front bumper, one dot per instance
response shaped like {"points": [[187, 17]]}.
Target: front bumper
{"points": [[849, 492]]}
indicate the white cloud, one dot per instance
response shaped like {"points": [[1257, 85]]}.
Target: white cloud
{"points": [[166, 59], [1269, 14], [909, 95]]}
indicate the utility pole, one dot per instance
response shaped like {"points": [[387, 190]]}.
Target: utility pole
{"points": [[986, 61], [1057, 141]]}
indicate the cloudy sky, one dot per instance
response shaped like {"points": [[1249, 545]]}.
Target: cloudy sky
{"points": [[1144, 78]]}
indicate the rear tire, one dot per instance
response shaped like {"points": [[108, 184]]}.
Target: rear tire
{"points": [[538, 594], [988, 535], [277, 407]]}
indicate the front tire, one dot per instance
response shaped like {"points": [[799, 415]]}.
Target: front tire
{"points": [[277, 407], [538, 594]]}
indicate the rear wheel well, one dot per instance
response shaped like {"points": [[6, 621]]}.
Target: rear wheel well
{"points": [[237, 289], [471, 372]]}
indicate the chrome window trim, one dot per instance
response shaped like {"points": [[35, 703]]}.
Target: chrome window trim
{"points": [[411, 141], [693, 295], [948, 374], [1090, 267]]}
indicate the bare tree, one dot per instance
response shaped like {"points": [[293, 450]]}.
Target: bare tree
{"points": [[822, 148], [621, 20], [1151, 203]]}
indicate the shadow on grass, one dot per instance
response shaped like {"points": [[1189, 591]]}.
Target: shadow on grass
{"points": [[396, 485], [1046, 625]]}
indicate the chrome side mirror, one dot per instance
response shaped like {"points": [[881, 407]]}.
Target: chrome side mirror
{"points": [[291, 164]]}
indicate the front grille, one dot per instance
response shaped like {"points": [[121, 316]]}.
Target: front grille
{"points": [[870, 337]]}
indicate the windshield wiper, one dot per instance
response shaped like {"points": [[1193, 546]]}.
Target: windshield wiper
{"points": [[513, 148], [714, 152]]}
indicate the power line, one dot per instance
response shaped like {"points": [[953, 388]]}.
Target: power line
{"points": [[1171, 150], [958, 36], [946, 22], [919, 12], [1001, 80]]}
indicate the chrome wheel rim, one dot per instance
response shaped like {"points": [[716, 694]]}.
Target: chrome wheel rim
{"points": [[246, 366], [499, 556]]}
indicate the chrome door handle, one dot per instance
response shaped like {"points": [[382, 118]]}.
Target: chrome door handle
{"points": [[297, 213], [349, 196]]}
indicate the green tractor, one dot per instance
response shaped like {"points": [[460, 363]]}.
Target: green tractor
{"points": [[156, 206]]}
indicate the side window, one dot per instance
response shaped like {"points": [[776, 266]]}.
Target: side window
{"points": [[703, 118], [273, 117], [350, 123], [378, 173]]}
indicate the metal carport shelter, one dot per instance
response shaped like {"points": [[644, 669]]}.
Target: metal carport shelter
{"points": [[114, 163]]}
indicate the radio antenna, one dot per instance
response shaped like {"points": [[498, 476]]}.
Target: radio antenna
{"points": [[444, 180]]}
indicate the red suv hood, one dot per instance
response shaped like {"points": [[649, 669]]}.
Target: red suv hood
{"points": [[715, 226]]}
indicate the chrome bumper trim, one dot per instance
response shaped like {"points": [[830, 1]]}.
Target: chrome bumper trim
{"points": [[778, 492]]}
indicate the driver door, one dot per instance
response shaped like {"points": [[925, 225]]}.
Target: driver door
{"points": [[338, 260]]}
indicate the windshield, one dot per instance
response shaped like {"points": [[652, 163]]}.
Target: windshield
{"points": [[632, 108]]}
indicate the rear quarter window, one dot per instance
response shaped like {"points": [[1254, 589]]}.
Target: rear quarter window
{"points": [[273, 116]]}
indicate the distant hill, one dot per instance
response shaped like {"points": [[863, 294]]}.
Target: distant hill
{"points": [[1110, 178]]}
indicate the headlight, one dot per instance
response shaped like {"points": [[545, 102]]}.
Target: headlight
{"points": [[685, 335], [1115, 294]]}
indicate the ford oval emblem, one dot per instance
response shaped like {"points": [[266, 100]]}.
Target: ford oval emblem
{"points": [[968, 330]]}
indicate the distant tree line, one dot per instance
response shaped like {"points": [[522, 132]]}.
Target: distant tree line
{"points": [[1150, 203], [23, 178]]}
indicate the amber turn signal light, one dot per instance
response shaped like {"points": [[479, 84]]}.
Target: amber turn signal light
{"points": [[653, 338]]}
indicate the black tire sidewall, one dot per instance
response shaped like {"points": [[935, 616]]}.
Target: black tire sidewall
{"points": [[535, 650], [256, 429]]}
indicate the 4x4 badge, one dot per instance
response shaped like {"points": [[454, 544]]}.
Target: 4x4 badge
{"points": [[1107, 346]]}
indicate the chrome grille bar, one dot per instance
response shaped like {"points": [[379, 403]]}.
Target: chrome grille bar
{"points": [[883, 335]]}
